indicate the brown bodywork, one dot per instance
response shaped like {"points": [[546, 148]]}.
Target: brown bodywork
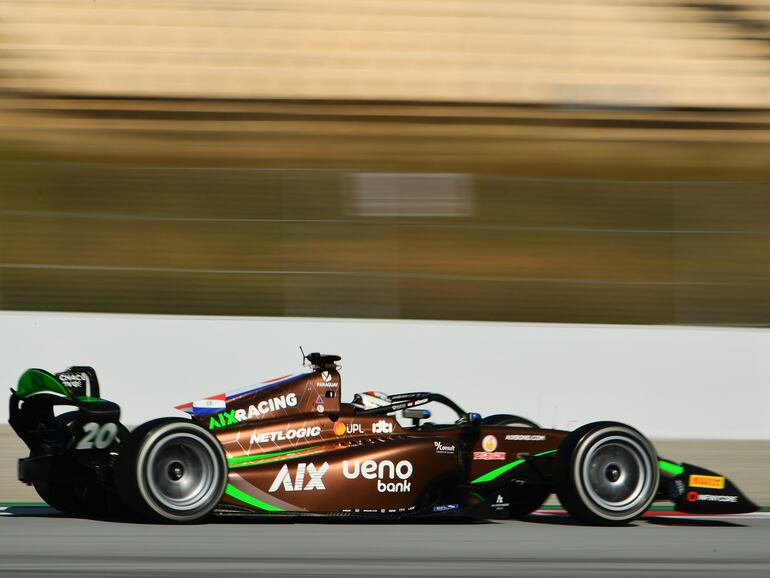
{"points": [[293, 447]]}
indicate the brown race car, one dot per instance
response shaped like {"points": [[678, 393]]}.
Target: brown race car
{"points": [[289, 447]]}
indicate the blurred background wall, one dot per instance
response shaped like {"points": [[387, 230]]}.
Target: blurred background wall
{"points": [[670, 382], [564, 161]]}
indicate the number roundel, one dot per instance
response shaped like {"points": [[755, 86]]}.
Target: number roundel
{"points": [[99, 436]]}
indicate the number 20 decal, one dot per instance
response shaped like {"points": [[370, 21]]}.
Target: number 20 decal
{"points": [[99, 436]]}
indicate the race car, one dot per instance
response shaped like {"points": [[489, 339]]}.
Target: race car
{"points": [[290, 447]]}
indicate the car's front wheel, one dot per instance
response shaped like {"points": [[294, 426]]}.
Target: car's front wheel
{"points": [[172, 470], [606, 473]]}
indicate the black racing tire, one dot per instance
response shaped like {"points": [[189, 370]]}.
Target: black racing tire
{"points": [[173, 471], [505, 419], [79, 493], [606, 473]]}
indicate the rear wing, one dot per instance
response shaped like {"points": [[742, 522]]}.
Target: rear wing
{"points": [[31, 408], [76, 382]]}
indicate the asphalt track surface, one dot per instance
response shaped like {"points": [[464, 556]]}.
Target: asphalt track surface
{"points": [[40, 542]]}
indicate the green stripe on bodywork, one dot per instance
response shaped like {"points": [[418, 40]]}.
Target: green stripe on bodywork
{"points": [[670, 467], [238, 462], [234, 492], [37, 381], [89, 399], [497, 472]]}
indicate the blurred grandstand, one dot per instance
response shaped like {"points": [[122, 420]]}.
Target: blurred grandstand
{"points": [[580, 161]]}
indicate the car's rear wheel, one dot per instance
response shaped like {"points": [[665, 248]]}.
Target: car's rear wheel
{"points": [[606, 473], [172, 471]]}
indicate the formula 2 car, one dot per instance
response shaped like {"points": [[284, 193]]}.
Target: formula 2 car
{"points": [[289, 447]]}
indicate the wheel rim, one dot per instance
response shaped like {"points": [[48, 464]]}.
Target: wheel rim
{"points": [[182, 472], [617, 474]]}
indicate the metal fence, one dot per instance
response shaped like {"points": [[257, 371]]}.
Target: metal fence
{"points": [[355, 243]]}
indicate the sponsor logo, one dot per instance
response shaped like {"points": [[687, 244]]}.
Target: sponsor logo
{"points": [[717, 498], [489, 443], [264, 407], [444, 448], [307, 477], [696, 497], [405, 404], [679, 487], [327, 377], [382, 427], [711, 482], [341, 428], [500, 503], [74, 381], [446, 507], [381, 471], [524, 438], [319, 408], [290, 434], [488, 455], [319, 400]]}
